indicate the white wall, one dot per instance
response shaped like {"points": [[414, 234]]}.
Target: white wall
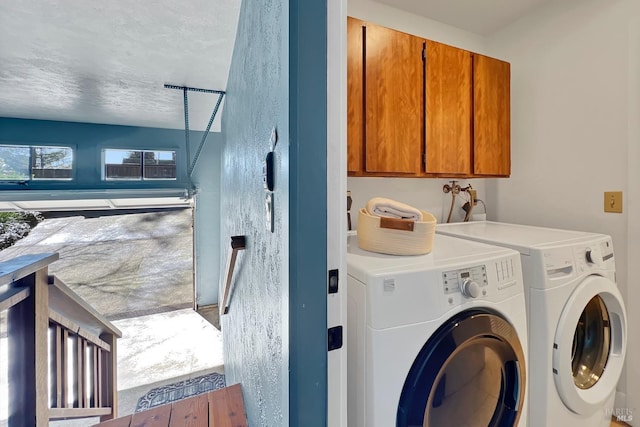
{"points": [[423, 193], [574, 126], [633, 210], [400, 20]]}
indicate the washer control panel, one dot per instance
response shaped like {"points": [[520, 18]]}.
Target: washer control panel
{"points": [[594, 255], [467, 281]]}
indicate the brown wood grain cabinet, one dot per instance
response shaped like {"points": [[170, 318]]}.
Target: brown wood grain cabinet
{"points": [[448, 113], [417, 107], [491, 116], [394, 76], [355, 95], [385, 108]]}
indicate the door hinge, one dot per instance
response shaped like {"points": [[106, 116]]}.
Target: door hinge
{"points": [[334, 338], [424, 53], [333, 281]]}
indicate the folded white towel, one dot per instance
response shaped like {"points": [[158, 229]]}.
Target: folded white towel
{"points": [[380, 206]]}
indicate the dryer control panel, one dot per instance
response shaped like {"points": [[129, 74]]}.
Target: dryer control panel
{"points": [[454, 280], [485, 281], [468, 281]]}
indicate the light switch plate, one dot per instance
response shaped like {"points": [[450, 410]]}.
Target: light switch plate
{"points": [[269, 211], [613, 201]]}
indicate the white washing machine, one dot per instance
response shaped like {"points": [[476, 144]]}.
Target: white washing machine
{"points": [[576, 318], [437, 339]]}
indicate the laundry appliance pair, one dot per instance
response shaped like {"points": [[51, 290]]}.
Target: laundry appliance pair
{"points": [[500, 325], [577, 323], [436, 340]]}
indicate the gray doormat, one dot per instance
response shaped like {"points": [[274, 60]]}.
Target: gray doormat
{"points": [[180, 390]]}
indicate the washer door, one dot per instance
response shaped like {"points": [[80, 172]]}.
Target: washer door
{"points": [[590, 344], [470, 372]]}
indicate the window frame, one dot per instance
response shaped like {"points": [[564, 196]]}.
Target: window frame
{"points": [[30, 163], [141, 165]]}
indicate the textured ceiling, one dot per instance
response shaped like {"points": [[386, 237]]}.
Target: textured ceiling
{"points": [[483, 17], [107, 61]]}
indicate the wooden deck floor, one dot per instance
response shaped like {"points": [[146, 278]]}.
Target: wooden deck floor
{"points": [[220, 408]]}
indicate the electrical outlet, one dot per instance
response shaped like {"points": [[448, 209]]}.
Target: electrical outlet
{"points": [[613, 201], [474, 196]]}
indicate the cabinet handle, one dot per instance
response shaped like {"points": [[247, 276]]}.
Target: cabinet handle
{"points": [[424, 118]]}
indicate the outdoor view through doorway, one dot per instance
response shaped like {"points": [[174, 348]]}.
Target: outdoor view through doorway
{"points": [[136, 268]]}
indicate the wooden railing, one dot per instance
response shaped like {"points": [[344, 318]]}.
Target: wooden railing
{"points": [[61, 351]]}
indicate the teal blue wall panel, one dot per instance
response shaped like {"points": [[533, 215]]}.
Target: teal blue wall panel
{"points": [[275, 334], [255, 331], [88, 140], [308, 215]]}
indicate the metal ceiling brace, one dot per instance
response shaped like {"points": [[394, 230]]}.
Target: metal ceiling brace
{"points": [[192, 164]]}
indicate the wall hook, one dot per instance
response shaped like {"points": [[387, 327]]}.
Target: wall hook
{"points": [[238, 243]]}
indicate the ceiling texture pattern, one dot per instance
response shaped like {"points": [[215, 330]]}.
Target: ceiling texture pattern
{"points": [[107, 62]]}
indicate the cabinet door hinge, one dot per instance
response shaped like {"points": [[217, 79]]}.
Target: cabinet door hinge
{"points": [[334, 338], [424, 53]]}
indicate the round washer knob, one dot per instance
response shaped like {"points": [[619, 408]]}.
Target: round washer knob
{"points": [[593, 257], [470, 289]]}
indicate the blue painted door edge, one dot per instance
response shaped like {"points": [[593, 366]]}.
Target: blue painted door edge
{"points": [[308, 213]]}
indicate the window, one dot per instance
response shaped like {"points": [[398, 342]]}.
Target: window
{"points": [[25, 163], [139, 164]]}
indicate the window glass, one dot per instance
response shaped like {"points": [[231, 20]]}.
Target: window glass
{"points": [[14, 163], [139, 164], [51, 162], [20, 163], [160, 165], [122, 164]]}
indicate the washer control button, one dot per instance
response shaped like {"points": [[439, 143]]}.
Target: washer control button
{"points": [[470, 289], [593, 256]]}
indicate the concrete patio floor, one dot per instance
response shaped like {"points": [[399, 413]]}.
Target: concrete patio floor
{"points": [[123, 265]]}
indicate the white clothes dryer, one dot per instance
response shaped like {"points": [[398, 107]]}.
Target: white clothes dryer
{"points": [[438, 339], [576, 319]]}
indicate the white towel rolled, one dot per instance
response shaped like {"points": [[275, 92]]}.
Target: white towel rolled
{"points": [[380, 206]]}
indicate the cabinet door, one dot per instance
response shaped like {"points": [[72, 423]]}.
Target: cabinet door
{"points": [[355, 95], [492, 116], [394, 87], [448, 95]]}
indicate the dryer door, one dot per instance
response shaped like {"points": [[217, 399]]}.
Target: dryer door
{"points": [[590, 345], [470, 372]]}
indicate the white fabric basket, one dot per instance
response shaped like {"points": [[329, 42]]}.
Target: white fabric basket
{"points": [[396, 236]]}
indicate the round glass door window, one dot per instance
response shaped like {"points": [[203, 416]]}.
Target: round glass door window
{"points": [[470, 372], [591, 344]]}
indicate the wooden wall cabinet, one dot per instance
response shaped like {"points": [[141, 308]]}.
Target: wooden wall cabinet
{"points": [[491, 116], [355, 96], [385, 103], [448, 113], [421, 108]]}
